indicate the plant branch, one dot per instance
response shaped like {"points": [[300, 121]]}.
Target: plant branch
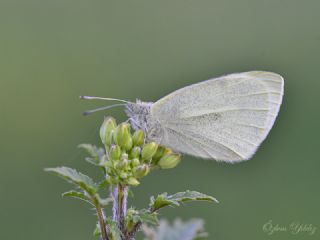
{"points": [[102, 223]]}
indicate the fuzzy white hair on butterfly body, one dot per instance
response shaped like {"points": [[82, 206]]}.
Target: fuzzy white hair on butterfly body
{"points": [[140, 118]]}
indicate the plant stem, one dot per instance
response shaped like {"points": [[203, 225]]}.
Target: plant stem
{"points": [[102, 223], [120, 195], [130, 235]]}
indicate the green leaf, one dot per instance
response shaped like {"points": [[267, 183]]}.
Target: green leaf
{"points": [[161, 201], [190, 230], [192, 196], [97, 231], [77, 195], [164, 200], [140, 216], [104, 201], [147, 217], [114, 232], [96, 154], [130, 193], [77, 178], [103, 184]]}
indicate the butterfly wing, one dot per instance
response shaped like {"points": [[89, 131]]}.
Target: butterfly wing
{"points": [[224, 118]]}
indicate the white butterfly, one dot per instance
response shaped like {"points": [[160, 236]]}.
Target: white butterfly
{"points": [[224, 118]]}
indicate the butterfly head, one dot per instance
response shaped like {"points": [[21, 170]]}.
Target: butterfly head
{"points": [[139, 114]]}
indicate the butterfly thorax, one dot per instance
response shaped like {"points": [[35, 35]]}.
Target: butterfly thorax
{"points": [[139, 114]]}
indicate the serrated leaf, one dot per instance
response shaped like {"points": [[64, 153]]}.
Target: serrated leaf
{"points": [[77, 178], [114, 232], [135, 217], [77, 195], [93, 161], [164, 200], [96, 154], [161, 201], [103, 184], [148, 217], [104, 201], [191, 196], [97, 231], [190, 230], [130, 193]]}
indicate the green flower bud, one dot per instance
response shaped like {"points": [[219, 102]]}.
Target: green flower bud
{"points": [[123, 163], [132, 181], [123, 175], [122, 136], [149, 150], [167, 151], [161, 151], [108, 165], [141, 171], [114, 179], [124, 156], [115, 164], [115, 152], [106, 129], [169, 161], [138, 138], [135, 162], [135, 152], [128, 145]]}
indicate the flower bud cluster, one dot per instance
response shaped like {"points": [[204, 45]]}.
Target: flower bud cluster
{"points": [[129, 157]]}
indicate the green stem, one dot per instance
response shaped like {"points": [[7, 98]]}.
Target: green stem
{"points": [[102, 223]]}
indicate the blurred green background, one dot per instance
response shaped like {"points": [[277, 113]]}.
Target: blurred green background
{"points": [[52, 51]]}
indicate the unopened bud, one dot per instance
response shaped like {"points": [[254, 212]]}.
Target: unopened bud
{"points": [[149, 150], [123, 175], [115, 180], [169, 161], [108, 165], [132, 181], [159, 154], [135, 152], [106, 130], [115, 152], [122, 136], [135, 162], [138, 138], [124, 156], [141, 171], [167, 151], [123, 163], [128, 144]]}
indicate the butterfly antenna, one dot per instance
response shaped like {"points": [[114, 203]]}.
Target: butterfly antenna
{"points": [[101, 98], [86, 113]]}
